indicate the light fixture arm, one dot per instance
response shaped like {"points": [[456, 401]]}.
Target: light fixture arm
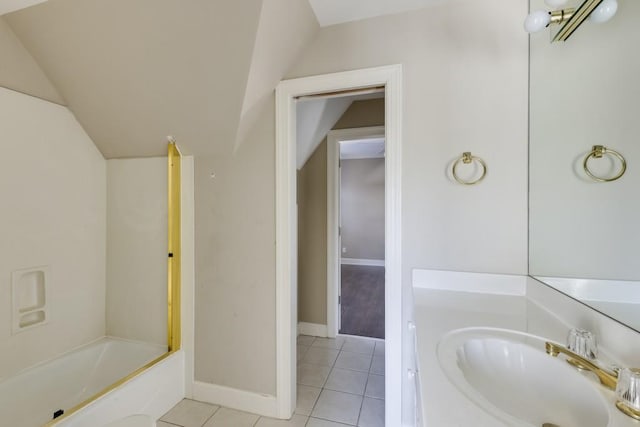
{"points": [[561, 16], [570, 19]]}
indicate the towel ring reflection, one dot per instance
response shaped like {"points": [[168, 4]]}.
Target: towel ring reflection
{"points": [[597, 152], [468, 158]]}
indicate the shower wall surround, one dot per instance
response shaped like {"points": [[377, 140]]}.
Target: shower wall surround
{"points": [[53, 190], [137, 249]]}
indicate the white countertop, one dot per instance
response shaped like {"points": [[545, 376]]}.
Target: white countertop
{"points": [[440, 311]]}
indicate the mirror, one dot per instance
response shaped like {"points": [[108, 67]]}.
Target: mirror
{"points": [[584, 233]]}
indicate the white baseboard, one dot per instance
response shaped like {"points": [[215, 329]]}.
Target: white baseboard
{"points": [[247, 401], [312, 329], [358, 261]]}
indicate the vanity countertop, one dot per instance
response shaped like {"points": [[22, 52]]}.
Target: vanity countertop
{"points": [[440, 311]]}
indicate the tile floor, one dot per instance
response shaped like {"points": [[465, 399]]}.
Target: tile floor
{"points": [[340, 383]]}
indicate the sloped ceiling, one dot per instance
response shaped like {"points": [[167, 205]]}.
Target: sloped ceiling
{"points": [[331, 12], [20, 72], [314, 120], [285, 28], [134, 72], [7, 6]]}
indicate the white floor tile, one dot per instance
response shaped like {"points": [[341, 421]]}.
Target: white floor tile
{"points": [[375, 387], [321, 356], [347, 381], [355, 361], [306, 398], [312, 375], [295, 421], [377, 365], [335, 343], [301, 351], [339, 407], [225, 417], [305, 340], [189, 413], [317, 422], [372, 414], [359, 345], [163, 424], [379, 351]]}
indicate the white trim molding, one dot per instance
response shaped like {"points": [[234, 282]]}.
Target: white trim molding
{"points": [[286, 229], [357, 261], [333, 216], [188, 272], [260, 404], [312, 329]]}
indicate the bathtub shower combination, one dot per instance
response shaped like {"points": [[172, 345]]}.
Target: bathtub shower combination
{"points": [[92, 384], [34, 397]]}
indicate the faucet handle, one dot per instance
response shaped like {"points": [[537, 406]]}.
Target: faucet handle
{"points": [[583, 343], [628, 392]]}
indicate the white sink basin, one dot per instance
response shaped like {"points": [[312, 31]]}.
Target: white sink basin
{"points": [[509, 375]]}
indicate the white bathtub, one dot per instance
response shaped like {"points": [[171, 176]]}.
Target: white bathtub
{"points": [[30, 398]]}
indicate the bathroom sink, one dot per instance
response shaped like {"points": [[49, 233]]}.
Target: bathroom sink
{"points": [[508, 374]]}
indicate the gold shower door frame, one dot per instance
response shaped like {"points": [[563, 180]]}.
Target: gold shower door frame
{"points": [[174, 197], [175, 254]]}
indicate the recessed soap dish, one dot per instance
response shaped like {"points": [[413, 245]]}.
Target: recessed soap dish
{"points": [[29, 289]]}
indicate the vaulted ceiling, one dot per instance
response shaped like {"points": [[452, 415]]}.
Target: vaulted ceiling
{"points": [[134, 72]]}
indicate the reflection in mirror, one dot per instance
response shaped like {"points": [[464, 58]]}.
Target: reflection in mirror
{"points": [[83, 278], [584, 233]]}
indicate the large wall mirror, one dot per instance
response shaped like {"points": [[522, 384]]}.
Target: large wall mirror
{"points": [[585, 233]]}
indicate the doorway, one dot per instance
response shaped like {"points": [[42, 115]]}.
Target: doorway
{"points": [[286, 229], [355, 232]]}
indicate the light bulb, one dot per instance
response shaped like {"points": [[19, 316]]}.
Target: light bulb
{"points": [[554, 4], [537, 21], [604, 11]]}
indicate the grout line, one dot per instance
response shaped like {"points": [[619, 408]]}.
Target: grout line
{"points": [[332, 421], [211, 416], [363, 397]]}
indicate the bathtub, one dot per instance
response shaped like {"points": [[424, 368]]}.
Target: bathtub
{"points": [[30, 398]]}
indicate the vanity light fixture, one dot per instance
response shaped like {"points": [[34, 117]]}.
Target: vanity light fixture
{"points": [[597, 11], [604, 12]]}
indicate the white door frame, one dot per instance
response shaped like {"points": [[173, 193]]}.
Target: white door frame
{"points": [[333, 216], [286, 229]]}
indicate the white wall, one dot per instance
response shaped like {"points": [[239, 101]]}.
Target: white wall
{"points": [[53, 191], [579, 227], [465, 67], [137, 249]]}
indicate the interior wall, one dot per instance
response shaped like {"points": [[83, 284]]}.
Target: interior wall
{"points": [[137, 249], [20, 71], [53, 190], [464, 89], [312, 215], [362, 208], [312, 238]]}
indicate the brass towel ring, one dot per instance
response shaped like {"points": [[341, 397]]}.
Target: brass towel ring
{"points": [[467, 158], [597, 152]]}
